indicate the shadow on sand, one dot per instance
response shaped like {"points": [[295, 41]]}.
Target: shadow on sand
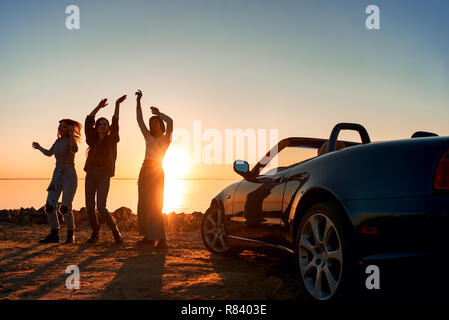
{"points": [[140, 277], [48, 286], [268, 274], [264, 274], [17, 284]]}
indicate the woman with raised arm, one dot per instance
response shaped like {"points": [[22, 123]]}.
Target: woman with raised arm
{"points": [[64, 179], [151, 177], [102, 139]]}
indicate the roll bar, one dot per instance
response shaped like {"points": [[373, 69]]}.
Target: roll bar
{"points": [[346, 126]]}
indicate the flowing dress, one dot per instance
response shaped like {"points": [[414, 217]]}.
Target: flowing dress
{"points": [[151, 182]]}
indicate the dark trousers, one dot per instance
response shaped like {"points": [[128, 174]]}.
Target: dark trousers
{"points": [[97, 182]]}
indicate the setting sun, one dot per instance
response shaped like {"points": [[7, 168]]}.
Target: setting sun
{"points": [[176, 164]]}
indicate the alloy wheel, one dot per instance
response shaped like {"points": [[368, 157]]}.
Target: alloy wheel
{"points": [[214, 231], [320, 256]]}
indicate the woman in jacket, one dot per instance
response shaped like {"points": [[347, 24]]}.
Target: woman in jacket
{"points": [[102, 140]]}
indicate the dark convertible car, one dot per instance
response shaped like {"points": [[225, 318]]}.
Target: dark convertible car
{"points": [[337, 204]]}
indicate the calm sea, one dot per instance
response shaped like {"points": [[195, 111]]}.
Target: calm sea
{"points": [[180, 195]]}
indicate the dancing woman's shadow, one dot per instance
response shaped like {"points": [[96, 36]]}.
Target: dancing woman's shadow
{"points": [[48, 286], [16, 284], [20, 252], [140, 276], [15, 259]]}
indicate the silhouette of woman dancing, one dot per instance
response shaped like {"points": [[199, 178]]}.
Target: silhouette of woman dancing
{"points": [[151, 176], [100, 167], [64, 179]]}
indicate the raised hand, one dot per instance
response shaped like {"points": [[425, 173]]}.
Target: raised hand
{"points": [[155, 110], [139, 94], [121, 99], [103, 103], [35, 145]]}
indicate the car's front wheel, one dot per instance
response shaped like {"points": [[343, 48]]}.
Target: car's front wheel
{"points": [[213, 232], [323, 252]]}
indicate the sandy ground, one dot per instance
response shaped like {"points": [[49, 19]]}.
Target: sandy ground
{"points": [[186, 270], [29, 270]]}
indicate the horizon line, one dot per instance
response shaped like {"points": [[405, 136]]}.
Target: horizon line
{"points": [[113, 178]]}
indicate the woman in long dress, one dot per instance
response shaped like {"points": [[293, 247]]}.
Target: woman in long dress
{"points": [[151, 177]]}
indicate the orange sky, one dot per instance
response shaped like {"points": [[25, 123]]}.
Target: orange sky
{"points": [[290, 66]]}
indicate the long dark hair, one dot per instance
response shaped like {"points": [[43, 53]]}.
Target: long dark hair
{"points": [[96, 133], [98, 121], [76, 128], [161, 122]]}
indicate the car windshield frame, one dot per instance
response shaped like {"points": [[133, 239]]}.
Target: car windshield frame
{"points": [[302, 142]]}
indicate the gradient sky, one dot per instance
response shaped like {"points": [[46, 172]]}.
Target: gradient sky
{"points": [[299, 66]]}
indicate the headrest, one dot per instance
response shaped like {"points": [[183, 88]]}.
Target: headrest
{"points": [[322, 150]]}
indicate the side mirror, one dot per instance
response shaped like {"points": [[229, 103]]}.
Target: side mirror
{"points": [[242, 168]]}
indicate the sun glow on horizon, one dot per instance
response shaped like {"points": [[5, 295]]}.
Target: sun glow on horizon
{"points": [[176, 164]]}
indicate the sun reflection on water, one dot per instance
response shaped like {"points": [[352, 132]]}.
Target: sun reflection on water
{"points": [[176, 164]]}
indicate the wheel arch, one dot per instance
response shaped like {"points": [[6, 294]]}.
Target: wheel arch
{"points": [[216, 203], [312, 197]]}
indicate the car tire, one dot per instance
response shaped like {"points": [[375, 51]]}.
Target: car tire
{"points": [[213, 233], [324, 255]]}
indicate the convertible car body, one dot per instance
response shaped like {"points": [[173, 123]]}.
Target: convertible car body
{"points": [[350, 203]]}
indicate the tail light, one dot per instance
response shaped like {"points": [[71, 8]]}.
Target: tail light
{"points": [[442, 173], [369, 230]]}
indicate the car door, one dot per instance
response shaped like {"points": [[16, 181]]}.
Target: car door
{"points": [[257, 208]]}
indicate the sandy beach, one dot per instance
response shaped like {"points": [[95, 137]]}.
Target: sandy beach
{"points": [[186, 270], [29, 270]]}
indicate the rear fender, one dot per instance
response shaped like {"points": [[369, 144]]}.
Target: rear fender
{"points": [[304, 200]]}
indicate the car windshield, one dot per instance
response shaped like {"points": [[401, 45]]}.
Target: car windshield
{"points": [[287, 157]]}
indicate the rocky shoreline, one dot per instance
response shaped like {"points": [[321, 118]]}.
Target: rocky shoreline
{"points": [[125, 218]]}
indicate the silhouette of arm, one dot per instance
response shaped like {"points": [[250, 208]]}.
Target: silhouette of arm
{"points": [[114, 129], [48, 152], [169, 121], [89, 124], [140, 121], [101, 104], [114, 126], [117, 105]]}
